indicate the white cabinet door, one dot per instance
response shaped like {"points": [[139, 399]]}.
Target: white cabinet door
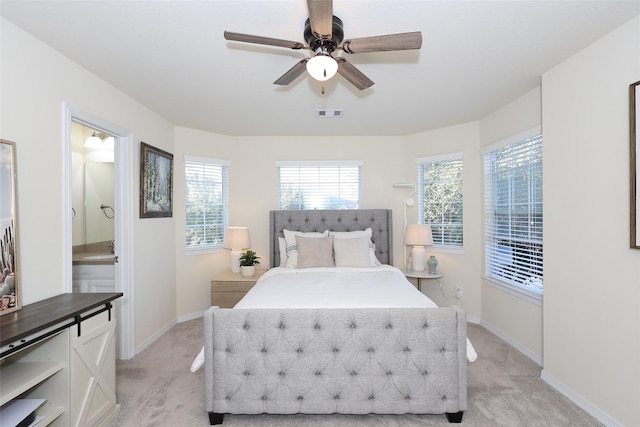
{"points": [[93, 370]]}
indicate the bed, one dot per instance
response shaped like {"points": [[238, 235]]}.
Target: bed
{"points": [[354, 337]]}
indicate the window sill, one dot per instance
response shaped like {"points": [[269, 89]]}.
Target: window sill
{"points": [[529, 295], [203, 251], [458, 250]]}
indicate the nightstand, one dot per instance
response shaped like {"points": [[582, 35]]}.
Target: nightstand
{"points": [[228, 288], [420, 275]]}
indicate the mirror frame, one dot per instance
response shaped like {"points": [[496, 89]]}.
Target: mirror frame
{"points": [[9, 236], [634, 139]]}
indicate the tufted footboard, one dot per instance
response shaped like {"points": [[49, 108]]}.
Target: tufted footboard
{"points": [[323, 361]]}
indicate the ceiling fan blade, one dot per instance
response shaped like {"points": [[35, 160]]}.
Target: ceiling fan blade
{"points": [[389, 42], [247, 38], [351, 73], [293, 73], [321, 17]]}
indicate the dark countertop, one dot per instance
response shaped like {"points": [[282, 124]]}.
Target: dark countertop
{"points": [[49, 312]]}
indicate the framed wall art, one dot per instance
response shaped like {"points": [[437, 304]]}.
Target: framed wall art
{"points": [[156, 182], [634, 138]]}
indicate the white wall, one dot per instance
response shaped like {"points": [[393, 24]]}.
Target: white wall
{"points": [[460, 269], [592, 278], [514, 319], [36, 81]]}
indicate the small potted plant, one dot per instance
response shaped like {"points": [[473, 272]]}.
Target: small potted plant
{"points": [[248, 262]]}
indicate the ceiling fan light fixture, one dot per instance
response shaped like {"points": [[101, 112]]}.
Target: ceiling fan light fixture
{"points": [[322, 66]]}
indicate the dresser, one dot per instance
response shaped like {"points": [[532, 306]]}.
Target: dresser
{"points": [[228, 288], [61, 352]]}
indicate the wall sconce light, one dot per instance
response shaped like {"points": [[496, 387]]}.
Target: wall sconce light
{"points": [[100, 141]]}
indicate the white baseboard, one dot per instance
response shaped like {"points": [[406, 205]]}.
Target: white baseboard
{"points": [[154, 337], [191, 316], [522, 349], [583, 403]]}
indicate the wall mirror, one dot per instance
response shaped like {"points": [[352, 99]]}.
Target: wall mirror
{"points": [[9, 283], [634, 109]]}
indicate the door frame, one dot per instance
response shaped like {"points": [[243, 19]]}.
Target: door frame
{"points": [[123, 221]]}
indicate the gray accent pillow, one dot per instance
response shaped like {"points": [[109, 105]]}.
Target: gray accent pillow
{"points": [[315, 252]]}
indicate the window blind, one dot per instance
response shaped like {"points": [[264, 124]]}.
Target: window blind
{"points": [[319, 185], [206, 202], [513, 213], [440, 179]]}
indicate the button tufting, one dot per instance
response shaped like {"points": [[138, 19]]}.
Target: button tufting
{"points": [[425, 372], [370, 350], [318, 373], [352, 326], [245, 326], [336, 397], [281, 373], [353, 373], [299, 350], [426, 325], [263, 349], [300, 398], [246, 373], [281, 325], [407, 349], [263, 398], [407, 397], [371, 397], [335, 349], [316, 326], [389, 373], [389, 326]]}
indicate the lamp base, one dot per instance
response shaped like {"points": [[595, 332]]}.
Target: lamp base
{"points": [[418, 258], [235, 260]]}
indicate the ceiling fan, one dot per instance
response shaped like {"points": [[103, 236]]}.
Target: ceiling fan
{"points": [[324, 35]]}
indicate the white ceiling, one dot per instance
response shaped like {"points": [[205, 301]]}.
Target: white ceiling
{"points": [[171, 56]]}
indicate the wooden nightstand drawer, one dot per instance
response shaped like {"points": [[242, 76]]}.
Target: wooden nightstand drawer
{"points": [[228, 288]]}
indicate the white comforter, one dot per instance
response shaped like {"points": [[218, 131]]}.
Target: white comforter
{"points": [[339, 287]]}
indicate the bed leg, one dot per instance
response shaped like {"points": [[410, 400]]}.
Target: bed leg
{"points": [[454, 417], [215, 418]]}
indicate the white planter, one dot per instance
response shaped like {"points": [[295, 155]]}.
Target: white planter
{"points": [[248, 270]]}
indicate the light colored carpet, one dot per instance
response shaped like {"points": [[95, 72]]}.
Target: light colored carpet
{"points": [[156, 388]]}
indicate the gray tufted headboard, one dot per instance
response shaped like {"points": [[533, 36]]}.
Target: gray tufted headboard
{"points": [[335, 220]]}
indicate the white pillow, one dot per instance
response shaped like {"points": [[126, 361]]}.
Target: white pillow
{"points": [[282, 247], [292, 245], [373, 261], [352, 252]]}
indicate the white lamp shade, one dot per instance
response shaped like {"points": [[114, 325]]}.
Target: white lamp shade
{"points": [[237, 238], [322, 67], [419, 235]]}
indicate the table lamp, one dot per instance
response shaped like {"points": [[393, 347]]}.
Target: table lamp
{"points": [[237, 239], [418, 236]]}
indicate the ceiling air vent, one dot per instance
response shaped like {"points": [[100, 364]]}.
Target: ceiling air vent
{"points": [[330, 114]]}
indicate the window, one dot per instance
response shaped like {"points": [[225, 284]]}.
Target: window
{"points": [[206, 202], [319, 185], [440, 197], [513, 212]]}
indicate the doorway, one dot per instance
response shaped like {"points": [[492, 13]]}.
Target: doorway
{"points": [[121, 210]]}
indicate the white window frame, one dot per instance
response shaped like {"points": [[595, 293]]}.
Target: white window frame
{"points": [[421, 162], [529, 293], [224, 164], [320, 165]]}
